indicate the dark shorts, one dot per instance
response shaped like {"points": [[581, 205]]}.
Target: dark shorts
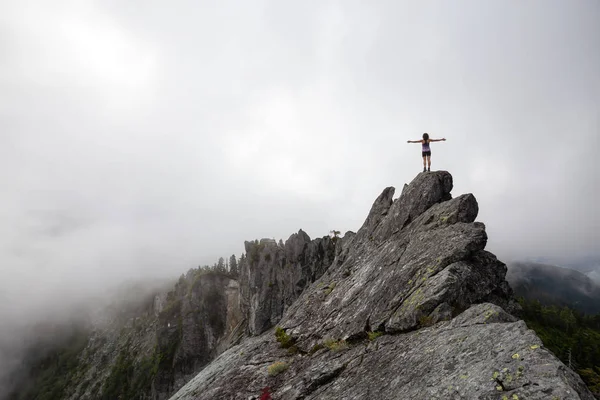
{"points": [[426, 153]]}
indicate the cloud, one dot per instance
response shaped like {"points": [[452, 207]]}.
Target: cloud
{"points": [[139, 139], [77, 49]]}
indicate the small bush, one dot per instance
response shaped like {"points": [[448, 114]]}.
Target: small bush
{"points": [[374, 335], [329, 289], [316, 348], [284, 339], [336, 345], [277, 368]]}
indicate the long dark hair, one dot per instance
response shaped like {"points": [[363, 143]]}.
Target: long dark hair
{"points": [[426, 137]]}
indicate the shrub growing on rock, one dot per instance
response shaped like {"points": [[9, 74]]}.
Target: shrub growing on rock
{"points": [[277, 368], [284, 339]]}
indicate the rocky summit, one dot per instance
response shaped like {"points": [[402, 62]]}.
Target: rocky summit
{"points": [[411, 306]]}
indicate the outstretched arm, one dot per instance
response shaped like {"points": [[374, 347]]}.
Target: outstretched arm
{"points": [[438, 140], [414, 141]]}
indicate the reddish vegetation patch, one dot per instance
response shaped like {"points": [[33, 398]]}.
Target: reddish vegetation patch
{"points": [[266, 394]]}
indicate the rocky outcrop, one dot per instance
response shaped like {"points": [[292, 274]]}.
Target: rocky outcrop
{"points": [[420, 261], [274, 275], [410, 307], [482, 354], [155, 352], [150, 349], [196, 325]]}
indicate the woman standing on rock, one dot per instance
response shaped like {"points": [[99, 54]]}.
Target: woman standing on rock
{"points": [[426, 151]]}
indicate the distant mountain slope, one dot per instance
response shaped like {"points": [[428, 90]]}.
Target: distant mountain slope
{"points": [[589, 266], [554, 285]]}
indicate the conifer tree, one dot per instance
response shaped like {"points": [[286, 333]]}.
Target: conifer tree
{"points": [[233, 266], [221, 265]]}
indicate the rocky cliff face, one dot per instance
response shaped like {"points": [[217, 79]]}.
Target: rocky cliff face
{"points": [[154, 354], [274, 275], [200, 318], [151, 350], [146, 351], [411, 307]]}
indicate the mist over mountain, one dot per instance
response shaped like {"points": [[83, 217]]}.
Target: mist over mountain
{"points": [[588, 266], [323, 318], [553, 285], [29, 341], [140, 139]]}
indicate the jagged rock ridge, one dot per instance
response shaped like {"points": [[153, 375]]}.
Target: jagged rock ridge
{"points": [[156, 352], [274, 275], [416, 272], [152, 349]]}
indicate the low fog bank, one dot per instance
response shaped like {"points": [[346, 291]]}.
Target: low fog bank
{"points": [[595, 275], [27, 338], [551, 284], [25, 343], [587, 265]]}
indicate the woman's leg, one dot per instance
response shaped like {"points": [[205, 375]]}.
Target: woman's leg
{"points": [[428, 162], [424, 163]]}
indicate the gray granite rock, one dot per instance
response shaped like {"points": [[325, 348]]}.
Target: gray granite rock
{"points": [[484, 353], [272, 276], [416, 273]]}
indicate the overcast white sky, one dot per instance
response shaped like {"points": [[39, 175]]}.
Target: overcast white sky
{"points": [[142, 138]]}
